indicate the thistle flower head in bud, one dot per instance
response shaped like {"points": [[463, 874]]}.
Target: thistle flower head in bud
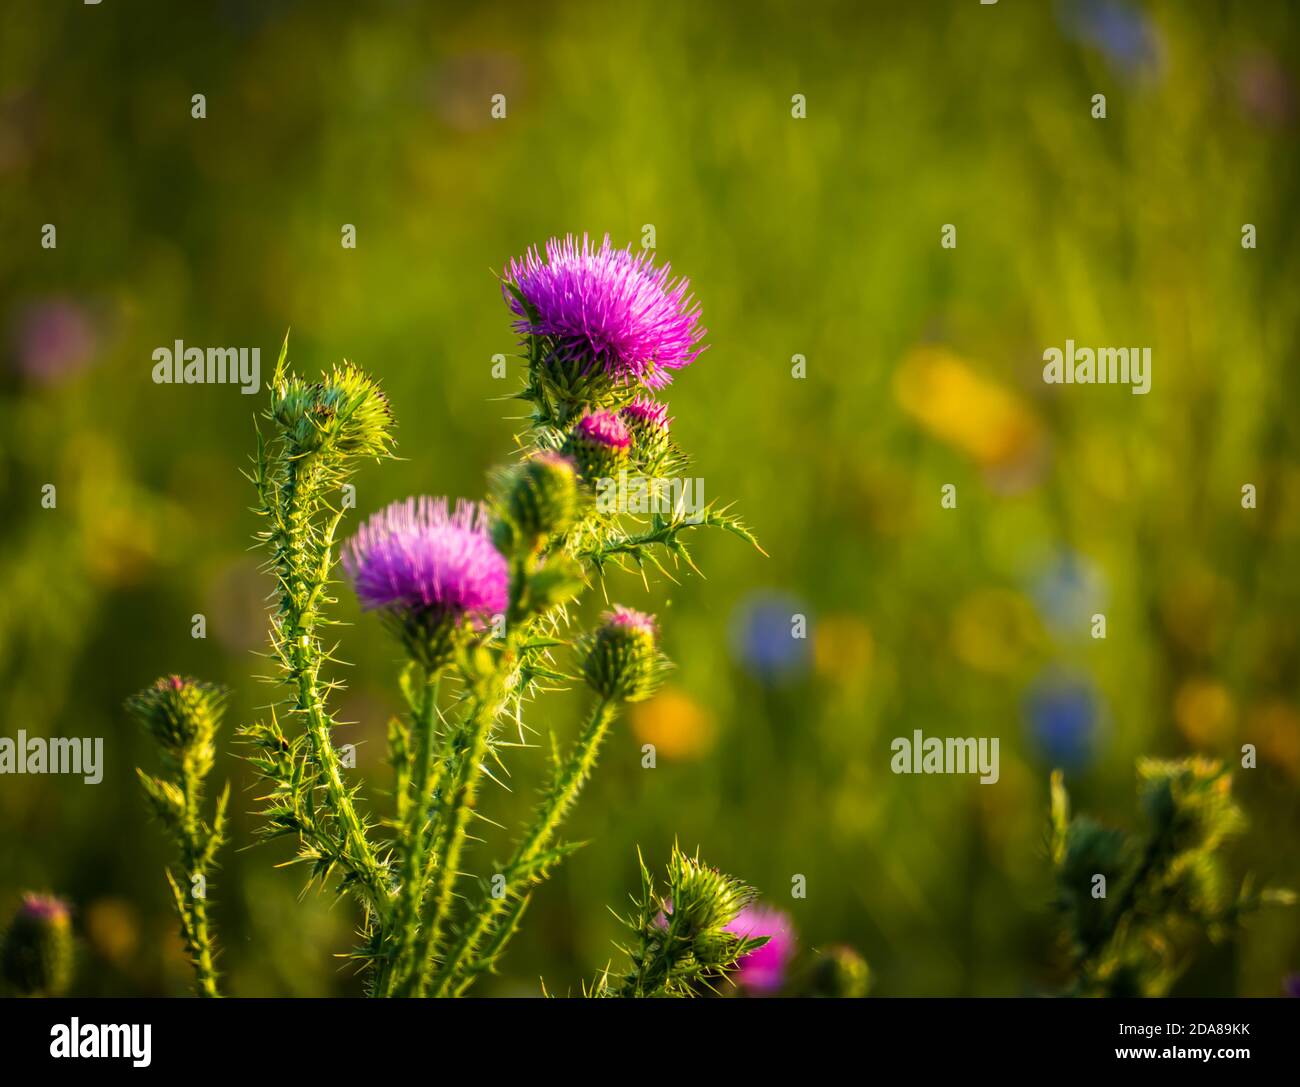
{"points": [[541, 495], [622, 659], [838, 972], [37, 952], [702, 904], [599, 444], [345, 413], [647, 422], [428, 570], [182, 715], [605, 308]]}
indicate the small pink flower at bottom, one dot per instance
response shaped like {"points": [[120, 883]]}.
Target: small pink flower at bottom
{"points": [[763, 970]]}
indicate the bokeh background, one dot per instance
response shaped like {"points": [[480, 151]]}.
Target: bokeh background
{"points": [[817, 237]]}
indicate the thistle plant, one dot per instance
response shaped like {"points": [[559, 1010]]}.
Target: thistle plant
{"points": [[1135, 903], [683, 938], [484, 598], [182, 716]]}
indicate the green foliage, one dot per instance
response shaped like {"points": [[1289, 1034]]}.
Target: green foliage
{"points": [[1165, 886]]}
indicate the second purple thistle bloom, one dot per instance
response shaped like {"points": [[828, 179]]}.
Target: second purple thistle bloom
{"points": [[608, 306], [417, 556]]}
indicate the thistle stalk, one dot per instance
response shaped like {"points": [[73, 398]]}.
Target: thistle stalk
{"points": [[197, 936], [521, 871], [415, 834], [454, 830], [303, 580]]}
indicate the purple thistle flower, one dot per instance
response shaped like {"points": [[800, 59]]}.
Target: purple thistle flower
{"points": [[609, 306], [763, 970], [414, 556], [603, 428], [647, 413]]}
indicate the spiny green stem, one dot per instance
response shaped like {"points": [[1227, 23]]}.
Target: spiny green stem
{"points": [[302, 583], [457, 974], [192, 849], [414, 836], [460, 807]]}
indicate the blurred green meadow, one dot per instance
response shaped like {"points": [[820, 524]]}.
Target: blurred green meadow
{"points": [[810, 240]]}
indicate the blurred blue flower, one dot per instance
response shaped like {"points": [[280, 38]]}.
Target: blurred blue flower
{"points": [[1120, 31], [1069, 592], [1061, 718], [764, 636]]}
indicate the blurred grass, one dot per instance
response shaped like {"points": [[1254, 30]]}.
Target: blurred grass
{"points": [[817, 237]]}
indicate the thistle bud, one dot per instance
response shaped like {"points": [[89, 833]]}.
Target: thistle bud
{"points": [[704, 901], [622, 658], [839, 972], [37, 954], [647, 422], [599, 444], [714, 948], [542, 496], [347, 413], [182, 715]]}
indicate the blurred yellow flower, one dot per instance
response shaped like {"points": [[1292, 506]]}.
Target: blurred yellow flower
{"points": [[1275, 727], [111, 929], [843, 648], [949, 399], [1204, 712], [993, 629], [677, 725]]}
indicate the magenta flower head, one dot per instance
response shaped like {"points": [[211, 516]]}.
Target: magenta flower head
{"points": [[599, 444], [606, 309], [762, 971], [646, 412], [428, 570]]}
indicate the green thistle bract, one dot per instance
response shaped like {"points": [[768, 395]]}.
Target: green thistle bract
{"points": [[541, 496], [622, 659], [705, 900], [345, 413]]}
